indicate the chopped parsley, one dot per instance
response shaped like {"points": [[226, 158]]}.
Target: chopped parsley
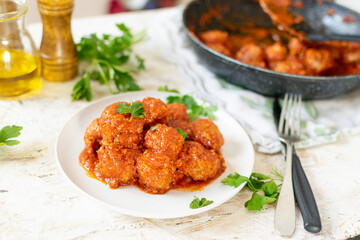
{"points": [[136, 109], [198, 203], [184, 134], [153, 128]]}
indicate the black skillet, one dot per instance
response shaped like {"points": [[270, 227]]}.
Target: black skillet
{"points": [[202, 15]]}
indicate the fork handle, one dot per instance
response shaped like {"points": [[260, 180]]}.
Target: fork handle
{"points": [[285, 218], [305, 197]]}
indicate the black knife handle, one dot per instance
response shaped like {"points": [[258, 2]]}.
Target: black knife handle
{"points": [[305, 197]]}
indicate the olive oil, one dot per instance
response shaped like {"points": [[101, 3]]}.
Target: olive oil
{"points": [[19, 74]]}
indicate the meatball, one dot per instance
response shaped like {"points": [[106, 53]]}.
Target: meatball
{"points": [[177, 111], [178, 117], [251, 54], [155, 111], [93, 135], [276, 52], [291, 66], [181, 124], [111, 110], [318, 60], [113, 125], [164, 139], [111, 118], [128, 140], [219, 47], [296, 47], [207, 133], [352, 56], [198, 162], [156, 172], [116, 166], [214, 36]]}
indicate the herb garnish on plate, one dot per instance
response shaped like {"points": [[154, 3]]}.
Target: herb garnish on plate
{"points": [[136, 109], [184, 134], [198, 203]]}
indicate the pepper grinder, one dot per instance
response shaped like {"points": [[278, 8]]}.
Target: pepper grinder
{"points": [[57, 50]]}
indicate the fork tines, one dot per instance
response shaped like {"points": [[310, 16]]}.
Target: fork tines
{"points": [[291, 110]]}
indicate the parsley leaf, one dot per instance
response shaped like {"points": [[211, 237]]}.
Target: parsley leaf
{"points": [[198, 203], [194, 110], [256, 202], [260, 176], [187, 100], [106, 57], [166, 89], [257, 183], [234, 180], [8, 132], [153, 128], [270, 188], [136, 109], [184, 134], [82, 88]]}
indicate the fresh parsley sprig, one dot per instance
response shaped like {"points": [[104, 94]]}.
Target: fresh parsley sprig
{"points": [[136, 109], [198, 203], [257, 183], [194, 110], [106, 57], [9, 132]]}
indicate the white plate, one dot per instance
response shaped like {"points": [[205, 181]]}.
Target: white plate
{"points": [[237, 151]]}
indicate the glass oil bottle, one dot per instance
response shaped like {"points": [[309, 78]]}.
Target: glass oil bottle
{"points": [[19, 60]]}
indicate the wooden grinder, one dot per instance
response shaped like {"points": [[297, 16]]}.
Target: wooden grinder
{"points": [[57, 51]]}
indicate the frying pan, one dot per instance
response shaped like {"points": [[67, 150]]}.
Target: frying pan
{"points": [[229, 15]]}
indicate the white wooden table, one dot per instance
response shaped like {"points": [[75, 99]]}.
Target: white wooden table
{"points": [[37, 202]]}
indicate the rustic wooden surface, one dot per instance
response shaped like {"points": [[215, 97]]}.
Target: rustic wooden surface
{"points": [[38, 202]]}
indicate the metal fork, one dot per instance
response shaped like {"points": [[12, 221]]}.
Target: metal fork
{"points": [[289, 133]]}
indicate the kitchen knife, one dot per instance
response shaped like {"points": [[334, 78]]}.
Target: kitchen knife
{"points": [[302, 190]]}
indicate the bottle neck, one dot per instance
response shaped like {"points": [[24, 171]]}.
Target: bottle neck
{"points": [[11, 32]]}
